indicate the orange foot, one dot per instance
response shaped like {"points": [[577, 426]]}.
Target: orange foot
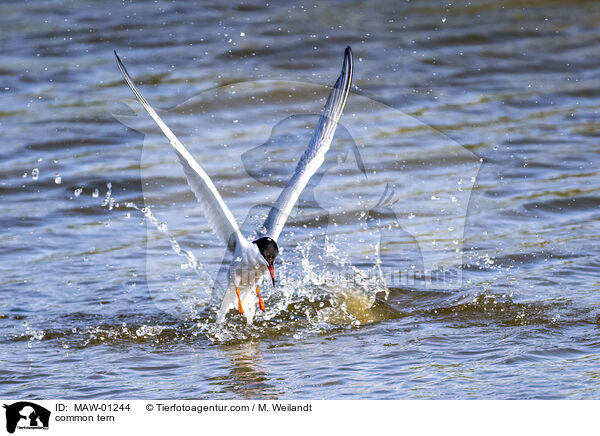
{"points": [[240, 309], [260, 300]]}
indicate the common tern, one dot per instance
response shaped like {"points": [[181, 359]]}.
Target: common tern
{"points": [[252, 260]]}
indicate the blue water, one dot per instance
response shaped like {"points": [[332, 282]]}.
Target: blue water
{"points": [[470, 145]]}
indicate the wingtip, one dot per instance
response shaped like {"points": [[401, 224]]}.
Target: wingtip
{"points": [[120, 64], [348, 61]]}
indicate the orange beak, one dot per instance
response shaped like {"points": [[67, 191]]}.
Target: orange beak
{"points": [[272, 273]]}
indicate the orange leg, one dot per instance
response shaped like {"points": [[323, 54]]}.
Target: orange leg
{"points": [[240, 309], [260, 300]]}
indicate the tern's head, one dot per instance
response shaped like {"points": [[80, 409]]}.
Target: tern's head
{"points": [[269, 250]]}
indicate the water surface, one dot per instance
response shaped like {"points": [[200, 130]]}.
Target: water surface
{"points": [[480, 119]]}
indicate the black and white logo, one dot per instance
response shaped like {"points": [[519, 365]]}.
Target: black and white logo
{"points": [[26, 415]]}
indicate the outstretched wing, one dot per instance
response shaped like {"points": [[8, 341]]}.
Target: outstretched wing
{"points": [[214, 208], [314, 155]]}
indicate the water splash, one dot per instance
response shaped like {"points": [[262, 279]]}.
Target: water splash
{"points": [[319, 290], [311, 297], [162, 227], [108, 199]]}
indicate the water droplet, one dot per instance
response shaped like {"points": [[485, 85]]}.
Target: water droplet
{"points": [[58, 179], [96, 193], [35, 173], [444, 20], [411, 216], [77, 192]]}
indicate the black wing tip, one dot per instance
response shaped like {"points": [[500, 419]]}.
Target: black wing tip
{"points": [[119, 62], [348, 62], [348, 54]]}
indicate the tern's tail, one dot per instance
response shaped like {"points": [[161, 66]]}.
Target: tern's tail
{"points": [[230, 302]]}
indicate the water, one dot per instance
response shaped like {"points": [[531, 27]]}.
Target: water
{"points": [[107, 294]]}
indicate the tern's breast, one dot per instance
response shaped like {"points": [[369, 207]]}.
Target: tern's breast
{"points": [[247, 267]]}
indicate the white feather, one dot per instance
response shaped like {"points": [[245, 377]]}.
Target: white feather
{"points": [[314, 155]]}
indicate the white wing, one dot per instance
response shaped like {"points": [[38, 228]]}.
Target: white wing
{"points": [[214, 208], [314, 155]]}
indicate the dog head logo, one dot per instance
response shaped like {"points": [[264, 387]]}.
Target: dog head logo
{"points": [[26, 415]]}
